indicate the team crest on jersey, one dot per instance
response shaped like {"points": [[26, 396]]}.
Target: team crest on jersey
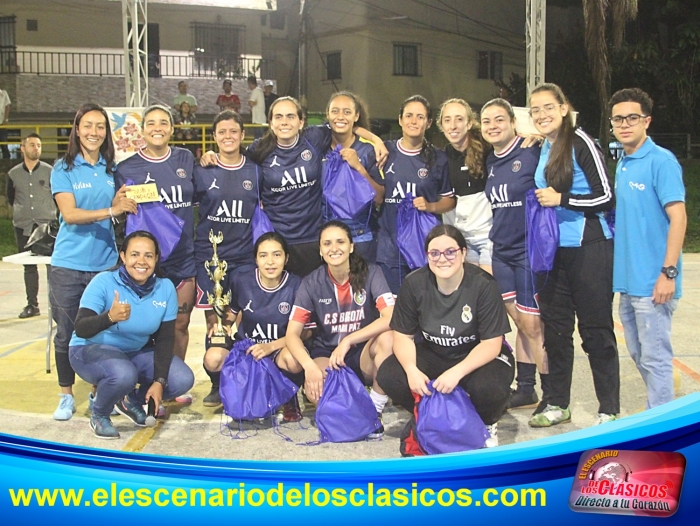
{"points": [[517, 165], [466, 314], [181, 173], [423, 173], [247, 185], [306, 155], [284, 308], [360, 297]]}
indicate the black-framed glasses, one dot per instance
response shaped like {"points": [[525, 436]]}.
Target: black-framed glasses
{"points": [[632, 119], [450, 254]]}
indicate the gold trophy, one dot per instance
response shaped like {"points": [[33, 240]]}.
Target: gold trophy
{"points": [[216, 269]]}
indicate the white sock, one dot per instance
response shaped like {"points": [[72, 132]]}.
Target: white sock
{"points": [[379, 400]]}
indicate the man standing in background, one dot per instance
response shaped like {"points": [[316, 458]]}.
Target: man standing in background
{"points": [[183, 96], [269, 96], [257, 105], [29, 194]]}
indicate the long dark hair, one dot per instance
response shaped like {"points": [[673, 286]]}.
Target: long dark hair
{"points": [[74, 148], [139, 234], [474, 159], [427, 151], [360, 107], [268, 142], [559, 172], [358, 265], [227, 115]]}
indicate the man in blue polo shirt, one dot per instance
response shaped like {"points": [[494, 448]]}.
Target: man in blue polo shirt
{"points": [[649, 230]]}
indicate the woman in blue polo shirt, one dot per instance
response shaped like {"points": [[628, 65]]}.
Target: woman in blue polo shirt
{"points": [[84, 190], [124, 336]]}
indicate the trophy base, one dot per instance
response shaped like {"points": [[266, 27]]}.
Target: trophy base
{"points": [[223, 340]]}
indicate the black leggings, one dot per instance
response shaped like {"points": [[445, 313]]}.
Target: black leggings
{"points": [[580, 286], [488, 386]]}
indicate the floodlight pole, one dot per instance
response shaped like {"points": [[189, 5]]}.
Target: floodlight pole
{"points": [[535, 28], [135, 31]]}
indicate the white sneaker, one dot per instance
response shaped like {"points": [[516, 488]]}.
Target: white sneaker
{"points": [[604, 417], [493, 431]]}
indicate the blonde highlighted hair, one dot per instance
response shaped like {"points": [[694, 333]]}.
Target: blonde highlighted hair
{"points": [[474, 159]]}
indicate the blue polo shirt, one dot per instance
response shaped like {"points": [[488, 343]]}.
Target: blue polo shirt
{"points": [[88, 247], [147, 313], [645, 182]]}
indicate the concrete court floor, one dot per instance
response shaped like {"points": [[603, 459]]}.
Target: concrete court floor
{"points": [[28, 396]]}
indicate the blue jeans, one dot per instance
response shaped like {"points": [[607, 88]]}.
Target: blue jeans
{"points": [[648, 334], [116, 374], [66, 287]]}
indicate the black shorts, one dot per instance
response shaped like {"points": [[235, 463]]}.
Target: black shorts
{"points": [[352, 359]]}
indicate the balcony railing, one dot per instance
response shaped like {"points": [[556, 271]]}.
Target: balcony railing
{"points": [[112, 64]]}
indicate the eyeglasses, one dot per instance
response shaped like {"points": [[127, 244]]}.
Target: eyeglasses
{"points": [[450, 254], [632, 119], [547, 108]]}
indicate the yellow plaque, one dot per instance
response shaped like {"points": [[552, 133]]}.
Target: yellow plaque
{"points": [[143, 193]]}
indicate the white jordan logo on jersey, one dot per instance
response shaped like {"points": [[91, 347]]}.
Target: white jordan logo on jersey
{"points": [[247, 307], [213, 185], [390, 170], [274, 162], [491, 174], [149, 179]]}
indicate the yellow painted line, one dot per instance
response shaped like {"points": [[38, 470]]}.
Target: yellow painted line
{"points": [[141, 438]]}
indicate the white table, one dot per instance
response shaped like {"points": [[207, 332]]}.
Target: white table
{"points": [[27, 258]]}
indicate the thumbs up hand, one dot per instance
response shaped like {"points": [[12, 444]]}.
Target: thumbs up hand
{"points": [[120, 310]]}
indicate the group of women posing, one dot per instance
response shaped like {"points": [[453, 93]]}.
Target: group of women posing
{"points": [[319, 292]]}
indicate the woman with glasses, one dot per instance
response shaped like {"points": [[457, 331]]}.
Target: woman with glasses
{"points": [[457, 307], [415, 167], [511, 171], [572, 177]]}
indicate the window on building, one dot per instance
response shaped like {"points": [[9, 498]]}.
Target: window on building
{"points": [[32, 25], [277, 20], [490, 65], [333, 66], [8, 49], [217, 47], [407, 59]]}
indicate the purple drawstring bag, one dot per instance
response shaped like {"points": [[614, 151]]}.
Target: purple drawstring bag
{"points": [[260, 221], [159, 221], [449, 423], [542, 230], [252, 389], [412, 227], [345, 412], [347, 194]]}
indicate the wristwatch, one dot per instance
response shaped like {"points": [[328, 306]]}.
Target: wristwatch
{"points": [[162, 381], [670, 271]]}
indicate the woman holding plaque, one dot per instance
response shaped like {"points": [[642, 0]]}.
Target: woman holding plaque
{"points": [[172, 171], [83, 186], [124, 336], [262, 299], [227, 193]]}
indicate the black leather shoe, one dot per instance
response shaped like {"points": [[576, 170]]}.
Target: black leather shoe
{"points": [[29, 312]]}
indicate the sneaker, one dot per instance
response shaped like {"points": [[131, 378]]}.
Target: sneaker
{"points": [[379, 432], [551, 416], [540, 407], [291, 412], [213, 399], [29, 312], [65, 409], [102, 427], [604, 417], [520, 400], [133, 412], [91, 403], [159, 414], [493, 431], [184, 399]]}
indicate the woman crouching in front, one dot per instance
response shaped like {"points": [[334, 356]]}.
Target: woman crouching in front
{"points": [[458, 309], [124, 335]]}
